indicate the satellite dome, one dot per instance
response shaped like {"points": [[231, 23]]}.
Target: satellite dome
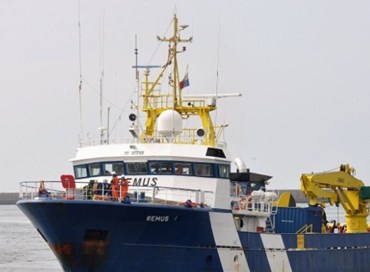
{"points": [[169, 123]]}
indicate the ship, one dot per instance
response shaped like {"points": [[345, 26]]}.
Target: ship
{"points": [[166, 199]]}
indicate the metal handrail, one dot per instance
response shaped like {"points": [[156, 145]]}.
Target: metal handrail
{"points": [[307, 228], [140, 194]]}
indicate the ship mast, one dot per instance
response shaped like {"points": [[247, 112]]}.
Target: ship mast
{"points": [[154, 103], [174, 40]]}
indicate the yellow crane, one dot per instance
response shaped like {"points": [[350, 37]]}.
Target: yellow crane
{"points": [[340, 187]]}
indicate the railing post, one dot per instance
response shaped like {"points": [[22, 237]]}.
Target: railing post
{"points": [[153, 194], [197, 197]]}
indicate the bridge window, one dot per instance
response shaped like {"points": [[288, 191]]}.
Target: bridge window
{"points": [[94, 169], [136, 168], [164, 168], [215, 152], [182, 168], [109, 167], [223, 171], [80, 171], [203, 169]]}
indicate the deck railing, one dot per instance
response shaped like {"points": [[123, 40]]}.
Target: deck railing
{"points": [[260, 205], [95, 191], [188, 136]]}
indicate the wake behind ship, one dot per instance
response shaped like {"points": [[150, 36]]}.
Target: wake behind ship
{"points": [[166, 199]]}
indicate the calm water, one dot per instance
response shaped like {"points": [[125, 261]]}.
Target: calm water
{"points": [[21, 246], [23, 249]]}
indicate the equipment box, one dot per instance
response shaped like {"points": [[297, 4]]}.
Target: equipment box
{"points": [[290, 220]]}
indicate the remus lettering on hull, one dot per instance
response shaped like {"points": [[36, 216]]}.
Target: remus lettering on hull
{"points": [[143, 181]]}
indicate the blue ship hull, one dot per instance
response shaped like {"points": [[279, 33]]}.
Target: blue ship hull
{"points": [[174, 239], [106, 236]]}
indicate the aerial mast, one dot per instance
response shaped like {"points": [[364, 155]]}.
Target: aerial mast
{"points": [[80, 84], [173, 42], [101, 128], [135, 107], [154, 106], [137, 81]]}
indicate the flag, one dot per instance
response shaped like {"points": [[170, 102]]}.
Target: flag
{"points": [[185, 82]]}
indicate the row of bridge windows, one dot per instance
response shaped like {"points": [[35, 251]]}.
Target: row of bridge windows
{"points": [[152, 168]]}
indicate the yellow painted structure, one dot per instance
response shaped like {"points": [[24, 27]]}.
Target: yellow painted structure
{"points": [[338, 187], [155, 102]]}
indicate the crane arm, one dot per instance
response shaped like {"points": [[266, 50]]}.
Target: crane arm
{"points": [[333, 186], [339, 187]]}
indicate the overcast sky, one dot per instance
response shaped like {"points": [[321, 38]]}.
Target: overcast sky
{"points": [[302, 66]]}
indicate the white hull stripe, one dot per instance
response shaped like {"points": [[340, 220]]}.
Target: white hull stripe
{"points": [[276, 253], [225, 235]]}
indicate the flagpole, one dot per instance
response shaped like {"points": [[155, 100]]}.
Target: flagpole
{"points": [[180, 87]]}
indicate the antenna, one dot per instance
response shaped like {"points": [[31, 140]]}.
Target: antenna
{"points": [[101, 128], [218, 59], [134, 128], [80, 64], [138, 83], [108, 115]]}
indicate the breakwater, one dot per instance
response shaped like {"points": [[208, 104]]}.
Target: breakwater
{"points": [[8, 198]]}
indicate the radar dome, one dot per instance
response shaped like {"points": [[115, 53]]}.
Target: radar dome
{"points": [[169, 123]]}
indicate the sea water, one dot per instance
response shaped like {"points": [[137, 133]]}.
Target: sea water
{"points": [[21, 246], [23, 249]]}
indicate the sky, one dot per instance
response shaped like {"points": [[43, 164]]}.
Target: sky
{"points": [[302, 67]]}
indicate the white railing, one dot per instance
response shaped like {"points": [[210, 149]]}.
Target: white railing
{"points": [[95, 142], [187, 137], [94, 191], [251, 206]]}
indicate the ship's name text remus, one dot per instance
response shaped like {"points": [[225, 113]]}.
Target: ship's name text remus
{"points": [[156, 218], [143, 181]]}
